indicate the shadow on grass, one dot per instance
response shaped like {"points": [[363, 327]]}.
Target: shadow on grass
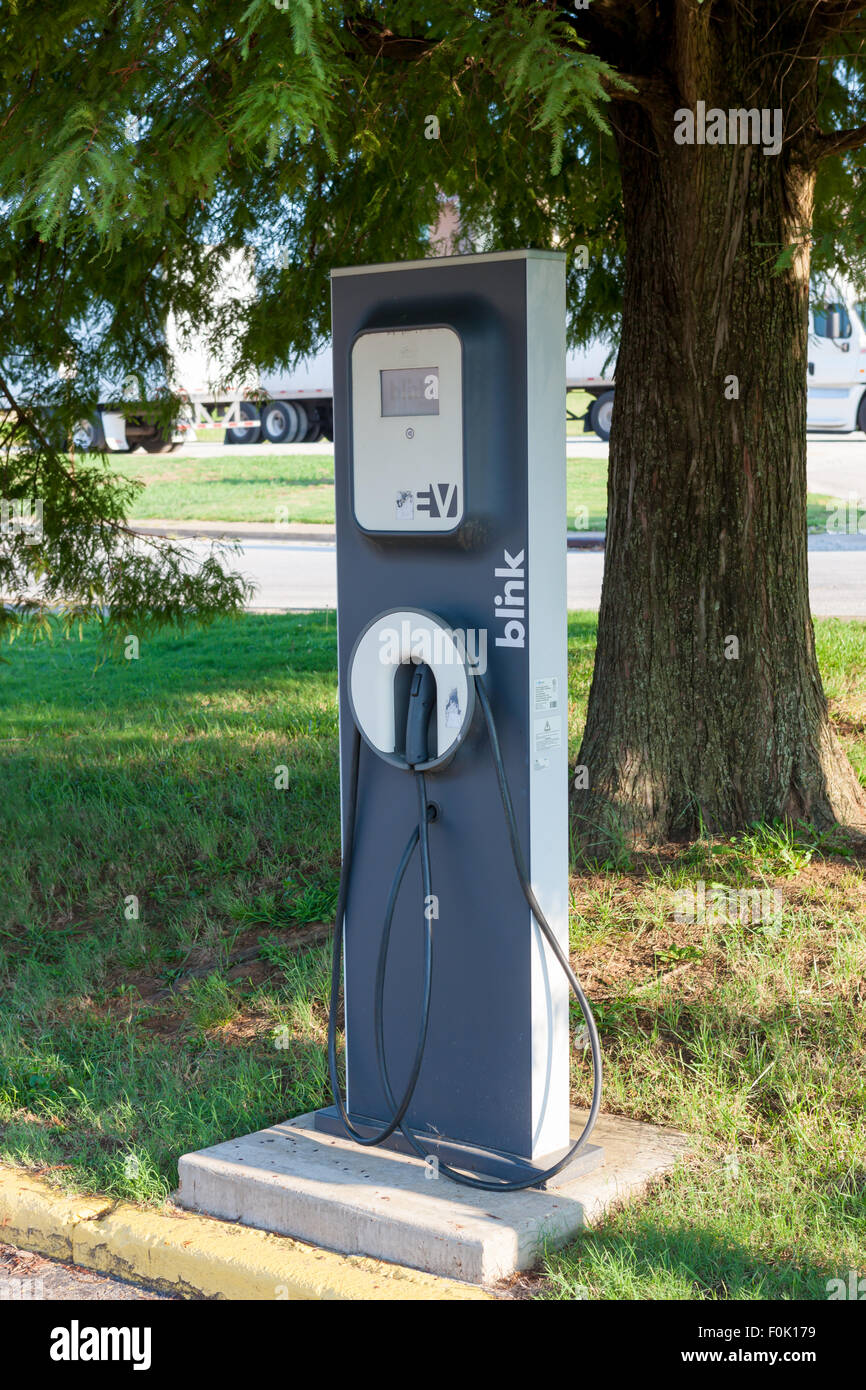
{"points": [[679, 1261], [66, 678], [114, 1108]]}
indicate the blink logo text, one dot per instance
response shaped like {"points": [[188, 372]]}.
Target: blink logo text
{"points": [[510, 605]]}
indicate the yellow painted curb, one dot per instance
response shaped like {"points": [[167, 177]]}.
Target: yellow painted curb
{"points": [[37, 1217], [198, 1256]]}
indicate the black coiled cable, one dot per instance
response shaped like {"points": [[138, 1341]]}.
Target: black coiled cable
{"points": [[420, 837]]}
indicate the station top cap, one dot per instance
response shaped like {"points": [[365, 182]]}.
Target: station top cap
{"points": [[475, 258]]}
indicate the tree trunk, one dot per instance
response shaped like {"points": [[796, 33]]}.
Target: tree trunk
{"points": [[706, 704]]}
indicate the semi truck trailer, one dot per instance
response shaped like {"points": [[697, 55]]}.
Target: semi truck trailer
{"points": [[297, 406]]}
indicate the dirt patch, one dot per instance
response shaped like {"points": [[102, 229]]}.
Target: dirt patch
{"points": [[640, 948], [849, 728], [159, 1008], [245, 962]]}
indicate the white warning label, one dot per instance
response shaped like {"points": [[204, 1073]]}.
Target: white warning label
{"points": [[548, 734], [546, 694]]}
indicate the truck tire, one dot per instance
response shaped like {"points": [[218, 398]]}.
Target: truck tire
{"points": [[157, 442], [88, 436], [280, 422], [600, 413], [861, 414], [301, 424], [313, 433], [252, 434]]}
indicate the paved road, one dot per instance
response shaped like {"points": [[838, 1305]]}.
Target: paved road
{"points": [[296, 574], [303, 574], [28, 1277], [836, 465]]}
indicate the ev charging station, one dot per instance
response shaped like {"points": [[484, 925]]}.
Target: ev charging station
{"points": [[452, 929], [451, 939]]}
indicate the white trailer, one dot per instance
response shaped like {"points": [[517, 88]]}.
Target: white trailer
{"points": [[297, 406], [293, 407], [288, 407], [277, 407], [274, 406]]}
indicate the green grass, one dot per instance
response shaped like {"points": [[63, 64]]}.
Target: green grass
{"points": [[578, 403], [155, 779], [300, 487], [291, 487], [586, 494], [243, 486], [127, 1040], [819, 509]]}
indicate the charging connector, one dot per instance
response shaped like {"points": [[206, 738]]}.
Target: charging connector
{"points": [[419, 838]]}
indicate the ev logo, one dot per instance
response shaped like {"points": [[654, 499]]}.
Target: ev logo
{"points": [[404, 505], [439, 500]]}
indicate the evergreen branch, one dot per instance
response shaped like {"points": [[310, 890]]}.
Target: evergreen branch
{"points": [[25, 416], [835, 17], [839, 141], [379, 42]]}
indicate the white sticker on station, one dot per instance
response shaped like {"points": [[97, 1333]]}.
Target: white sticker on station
{"points": [[404, 505], [548, 734], [546, 694]]}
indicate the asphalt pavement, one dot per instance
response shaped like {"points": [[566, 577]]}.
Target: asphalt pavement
{"points": [[294, 571], [300, 575], [25, 1277]]}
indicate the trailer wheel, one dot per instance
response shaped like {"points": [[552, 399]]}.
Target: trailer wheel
{"points": [[301, 422], [861, 414], [156, 441], [88, 436], [249, 435], [600, 414], [313, 431], [279, 422]]}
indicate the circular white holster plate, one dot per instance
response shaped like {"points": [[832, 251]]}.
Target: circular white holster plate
{"points": [[399, 637]]}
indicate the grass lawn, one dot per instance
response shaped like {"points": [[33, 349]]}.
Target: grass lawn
{"points": [[246, 486], [242, 486], [132, 1032], [295, 487]]}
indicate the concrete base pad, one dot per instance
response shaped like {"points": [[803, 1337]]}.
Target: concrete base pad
{"points": [[324, 1189], [485, 1164]]}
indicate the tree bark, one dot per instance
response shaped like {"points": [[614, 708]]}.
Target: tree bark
{"points": [[706, 707]]}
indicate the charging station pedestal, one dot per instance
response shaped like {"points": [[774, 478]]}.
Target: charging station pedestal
{"points": [[450, 507], [450, 496]]}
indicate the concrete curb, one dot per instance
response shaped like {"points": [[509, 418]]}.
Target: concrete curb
{"points": [[293, 531], [198, 1256], [237, 530]]}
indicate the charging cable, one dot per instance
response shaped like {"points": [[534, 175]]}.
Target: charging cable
{"points": [[420, 838]]}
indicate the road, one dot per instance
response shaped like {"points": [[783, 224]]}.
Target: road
{"points": [[301, 574], [26, 1277]]}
